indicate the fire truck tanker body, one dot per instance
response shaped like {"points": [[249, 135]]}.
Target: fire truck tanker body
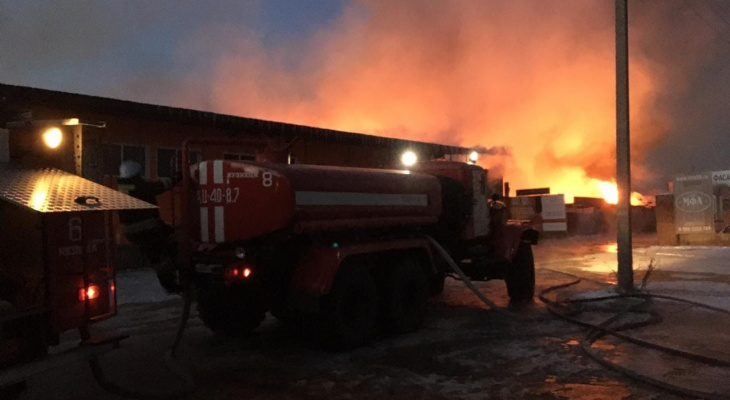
{"points": [[343, 252]]}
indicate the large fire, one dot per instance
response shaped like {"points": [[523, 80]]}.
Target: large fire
{"points": [[609, 192], [533, 76]]}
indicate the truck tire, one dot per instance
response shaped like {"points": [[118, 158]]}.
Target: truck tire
{"points": [[349, 313], [229, 311], [521, 275], [404, 290]]}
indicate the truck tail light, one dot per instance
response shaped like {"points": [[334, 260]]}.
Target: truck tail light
{"points": [[238, 272], [89, 293]]}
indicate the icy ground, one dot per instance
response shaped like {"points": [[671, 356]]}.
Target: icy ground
{"points": [[140, 287], [465, 351], [698, 273]]}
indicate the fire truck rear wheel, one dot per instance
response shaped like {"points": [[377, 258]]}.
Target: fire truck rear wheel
{"points": [[521, 275], [404, 291], [228, 311], [349, 313]]}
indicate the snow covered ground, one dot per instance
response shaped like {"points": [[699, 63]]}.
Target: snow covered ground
{"points": [[697, 273], [464, 351], [139, 286]]}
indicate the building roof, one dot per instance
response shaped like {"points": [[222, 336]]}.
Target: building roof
{"points": [[233, 125]]}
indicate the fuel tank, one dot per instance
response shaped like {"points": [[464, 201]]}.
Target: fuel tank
{"points": [[241, 200]]}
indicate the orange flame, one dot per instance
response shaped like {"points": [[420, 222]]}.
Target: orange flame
{"points": [[609, 192], [535, 77]]}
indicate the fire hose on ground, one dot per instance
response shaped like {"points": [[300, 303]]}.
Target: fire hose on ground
{"points": [[181, 373], [597, 331]]}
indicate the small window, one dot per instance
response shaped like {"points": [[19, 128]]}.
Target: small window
{"points": [[114, 154], [169, 161], [135, 153], [165, 158], [112, 158]]}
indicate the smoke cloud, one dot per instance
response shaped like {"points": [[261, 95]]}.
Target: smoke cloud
{"points": [[534, 77], [530, 81]]}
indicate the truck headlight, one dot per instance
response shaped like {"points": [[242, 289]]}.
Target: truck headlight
{"points": [[409, 158]]}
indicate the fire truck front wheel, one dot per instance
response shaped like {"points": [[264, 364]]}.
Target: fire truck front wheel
{"points": [[349, 313], [229, 311], [521, 275]]}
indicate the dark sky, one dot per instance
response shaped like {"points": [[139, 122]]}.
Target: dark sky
{"points": [[280, 56]]}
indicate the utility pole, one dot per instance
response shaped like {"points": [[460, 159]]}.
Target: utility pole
{"points": [[623, 159]]}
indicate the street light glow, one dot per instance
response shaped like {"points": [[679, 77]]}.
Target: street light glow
{"points": [[52, 137], [409, 158], [473, 156]]}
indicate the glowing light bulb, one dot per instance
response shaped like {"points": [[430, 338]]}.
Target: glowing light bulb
{"points": [[52, 137]]}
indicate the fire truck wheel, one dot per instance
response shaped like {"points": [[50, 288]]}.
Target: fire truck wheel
{"points": [[350, 311], [228, 311], [404, 292], [521, 275]]}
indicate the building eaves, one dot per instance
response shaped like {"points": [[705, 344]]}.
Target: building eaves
{"points": [[232, 125]]}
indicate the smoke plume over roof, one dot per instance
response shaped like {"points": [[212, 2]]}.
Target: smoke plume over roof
{"points": [[531, 78]]}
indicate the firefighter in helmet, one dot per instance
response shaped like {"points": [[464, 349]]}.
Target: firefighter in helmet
{"points": [[144, 228]]}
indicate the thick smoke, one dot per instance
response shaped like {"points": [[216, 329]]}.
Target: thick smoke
{"points": [[536, 77]]}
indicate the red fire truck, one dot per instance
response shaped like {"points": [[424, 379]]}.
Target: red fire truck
{"points": [[347, 251], [56, 269]]}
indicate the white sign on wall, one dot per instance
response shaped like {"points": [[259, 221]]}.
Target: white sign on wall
{"points": [[694, 210]]}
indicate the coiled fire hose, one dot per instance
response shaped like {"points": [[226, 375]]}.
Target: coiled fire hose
{"points": [[597, 331]]}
